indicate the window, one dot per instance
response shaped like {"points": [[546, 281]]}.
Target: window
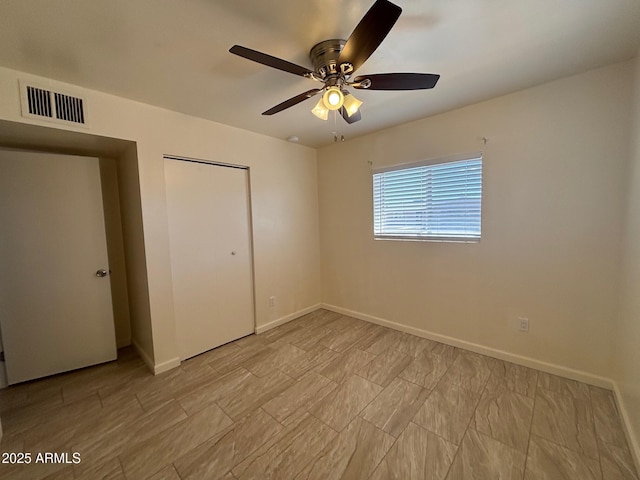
{"points": [[435, 201]]}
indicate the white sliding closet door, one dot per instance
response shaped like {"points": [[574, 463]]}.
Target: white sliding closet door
{"points": [[208, 209]]}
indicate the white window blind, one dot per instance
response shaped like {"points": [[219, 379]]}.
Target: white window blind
{"points": [[440, 201]]}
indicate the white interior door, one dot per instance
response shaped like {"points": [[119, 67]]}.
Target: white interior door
{"points": [[208, 209], [55, 313]]}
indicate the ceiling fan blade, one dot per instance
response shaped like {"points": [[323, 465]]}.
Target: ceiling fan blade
{"points": [[369, 33], [398, 81], [350, 119], [291, 102], [270, 61]]}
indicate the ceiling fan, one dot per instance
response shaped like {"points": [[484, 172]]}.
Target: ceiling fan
{"points": [[336, 60]]}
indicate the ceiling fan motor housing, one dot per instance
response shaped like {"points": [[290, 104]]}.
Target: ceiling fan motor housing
{"points": [[324, 57]]}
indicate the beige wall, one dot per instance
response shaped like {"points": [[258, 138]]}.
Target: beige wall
{"points": [[555, 183], [284, 205], [554, 171], [134, 251], [115, 247], [627, 342]]}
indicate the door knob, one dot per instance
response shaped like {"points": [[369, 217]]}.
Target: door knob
{"points": [[102, 273]]}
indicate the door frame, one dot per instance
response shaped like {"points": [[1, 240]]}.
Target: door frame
{"points": [[47, 140]]}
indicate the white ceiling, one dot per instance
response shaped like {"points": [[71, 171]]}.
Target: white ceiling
{"points": [[174, 53]]}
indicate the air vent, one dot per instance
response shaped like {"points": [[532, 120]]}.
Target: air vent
{"points": [[47, 104], [69, 108], [39, 102]]}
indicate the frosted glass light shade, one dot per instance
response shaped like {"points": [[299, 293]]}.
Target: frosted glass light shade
{"points": [[333, 98], [320, 110], [351, 104]]}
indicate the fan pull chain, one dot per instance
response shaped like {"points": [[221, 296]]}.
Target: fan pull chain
{"points": [[335, 125]]}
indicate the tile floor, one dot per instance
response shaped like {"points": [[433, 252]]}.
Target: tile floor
{"points": [[323, 397]]}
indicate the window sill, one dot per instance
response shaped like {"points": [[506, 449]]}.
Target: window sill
{"points": [[429, 239]]}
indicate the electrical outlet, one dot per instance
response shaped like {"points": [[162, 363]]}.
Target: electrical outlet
{"points": [[272, 301], [523, 324]]}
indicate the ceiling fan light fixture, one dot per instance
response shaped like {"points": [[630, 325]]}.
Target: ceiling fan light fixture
{"points": [[320, 110], [351, 103], [333, 98]]}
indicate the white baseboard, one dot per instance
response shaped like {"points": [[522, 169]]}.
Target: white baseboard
{"points": [[554, 369], [632, 439], [579, 375], [3, 376], [155, 368], [166, 366], [175, 362], [143, 355], [287, 318]]}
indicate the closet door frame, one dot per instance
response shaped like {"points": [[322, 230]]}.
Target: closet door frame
{"points": [[186, 352]]}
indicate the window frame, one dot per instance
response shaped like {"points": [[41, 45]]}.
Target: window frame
{"points": [[428, 163]]}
